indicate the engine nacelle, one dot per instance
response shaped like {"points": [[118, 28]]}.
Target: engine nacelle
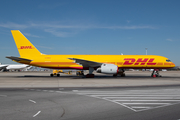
{"points": [[108, 69]]}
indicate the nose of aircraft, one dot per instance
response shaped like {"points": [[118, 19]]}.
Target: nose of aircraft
{"points": [[172, 64]]}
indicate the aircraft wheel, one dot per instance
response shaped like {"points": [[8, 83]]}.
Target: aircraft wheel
{"points": [[82, 73], [90, 76], [123, 75], [51, 75], [114, 75], [58, 75]]}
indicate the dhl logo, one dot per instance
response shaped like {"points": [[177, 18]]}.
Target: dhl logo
{"points": [[139, 61], [26, 47]]}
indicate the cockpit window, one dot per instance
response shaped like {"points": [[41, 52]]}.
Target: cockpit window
{"points": [[168, 60]]}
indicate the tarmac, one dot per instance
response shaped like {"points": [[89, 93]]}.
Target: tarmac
{"points": [[36, 95], [43, 80]]}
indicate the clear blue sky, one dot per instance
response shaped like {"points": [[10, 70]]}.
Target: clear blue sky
{"points": [[93, 27]]}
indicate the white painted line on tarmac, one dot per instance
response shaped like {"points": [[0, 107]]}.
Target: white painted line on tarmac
{"points": [[157, 98], [121, 93], [32, 101], [148, 100], [97, 91], [135, 95], [37, 114], [140, 107], [51, 91], [75, 90], [3, 95], [146, 103], [120, 104], [59, 91], [158, 107]]}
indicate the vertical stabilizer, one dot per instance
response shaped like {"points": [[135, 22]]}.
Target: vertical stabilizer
{"points": [[25, 47]]}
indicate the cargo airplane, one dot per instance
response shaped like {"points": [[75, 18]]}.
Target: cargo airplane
{"points": [[108, 64]]}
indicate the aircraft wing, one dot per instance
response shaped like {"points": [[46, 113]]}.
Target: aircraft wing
{"points": [[18, 59], [86, 63]]}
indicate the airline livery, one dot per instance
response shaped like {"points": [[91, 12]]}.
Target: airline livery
{"points": [[108, 64]]}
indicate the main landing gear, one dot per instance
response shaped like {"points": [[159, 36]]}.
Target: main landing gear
{"points": [[90, 75], [120, 72], [155, 73]]}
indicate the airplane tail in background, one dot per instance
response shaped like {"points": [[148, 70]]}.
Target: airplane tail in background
{"points": [[25, 47]]}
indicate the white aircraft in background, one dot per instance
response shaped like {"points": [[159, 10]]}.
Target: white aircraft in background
{"points": [[7, 67]]}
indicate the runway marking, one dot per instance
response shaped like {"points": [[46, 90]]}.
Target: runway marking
{"points": [[140, 107], [3, 95], [37, 113], [120, 104], [146, 103], [75, 90], [39, 90], [51, 91], [137, 100], [134, 95], [59, 91], [32, 101], [147, 100], [135, 92]]}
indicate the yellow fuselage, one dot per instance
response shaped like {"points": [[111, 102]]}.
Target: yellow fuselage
{"points": [[122, 61]]}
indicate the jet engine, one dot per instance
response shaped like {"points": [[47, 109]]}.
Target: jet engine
{"points": [[108, 69]]}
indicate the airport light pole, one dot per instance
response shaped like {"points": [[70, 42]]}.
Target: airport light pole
{"points": [[146, 51]]}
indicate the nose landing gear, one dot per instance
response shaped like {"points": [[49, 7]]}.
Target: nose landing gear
{"points": [[155, 73]]}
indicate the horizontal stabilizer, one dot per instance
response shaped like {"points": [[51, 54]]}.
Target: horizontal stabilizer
{"points": [[18, 59]]}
